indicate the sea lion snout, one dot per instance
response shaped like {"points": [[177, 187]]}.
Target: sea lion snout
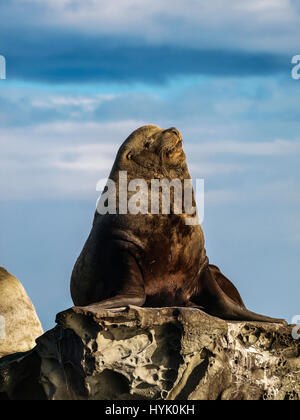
{"points": [[170, 138], [175, 131], [171, 145]]}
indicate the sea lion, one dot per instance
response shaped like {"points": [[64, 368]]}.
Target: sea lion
{"points": [[152, 259], [19, 323]]}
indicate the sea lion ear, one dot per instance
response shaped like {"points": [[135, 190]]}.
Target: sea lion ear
{"points": [[146, 159]]}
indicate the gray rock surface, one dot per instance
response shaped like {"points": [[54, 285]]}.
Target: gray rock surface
{"points": [[19, 323], [156, 353]]}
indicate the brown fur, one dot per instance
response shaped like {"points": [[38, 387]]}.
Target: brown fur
{"points": [[152, 260]]}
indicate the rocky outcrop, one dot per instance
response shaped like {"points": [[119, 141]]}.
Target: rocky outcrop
{"points": [[156, 353], [19, 323]]}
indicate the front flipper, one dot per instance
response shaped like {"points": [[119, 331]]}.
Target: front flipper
{"points": [[115, 279], [118, 301], [217, 303]]}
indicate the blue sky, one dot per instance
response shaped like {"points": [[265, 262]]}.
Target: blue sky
{"points": [[82, 74]]}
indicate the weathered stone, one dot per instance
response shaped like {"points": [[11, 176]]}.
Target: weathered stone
{"points": [[19, 323], [158, 353]]}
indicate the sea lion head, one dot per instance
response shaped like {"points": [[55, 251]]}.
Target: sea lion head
{"points": [[151, 150]]}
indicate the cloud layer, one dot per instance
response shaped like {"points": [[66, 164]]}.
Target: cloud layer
{"points": [[153, 41], [263, 25], [57, 143]]}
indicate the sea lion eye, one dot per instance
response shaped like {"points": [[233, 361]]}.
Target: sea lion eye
{"points": [[129, 155]]}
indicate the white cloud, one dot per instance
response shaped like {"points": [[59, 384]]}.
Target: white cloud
{"points": [[88, 158], [65, 156], [271, 148], [87, 103], [59, 160], [66, 159], [253, 24]]}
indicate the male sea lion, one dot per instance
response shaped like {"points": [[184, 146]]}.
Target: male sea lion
{"points": [[19, 324], [152, 259]]}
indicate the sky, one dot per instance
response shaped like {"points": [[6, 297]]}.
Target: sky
{"points": [[81, 75]]}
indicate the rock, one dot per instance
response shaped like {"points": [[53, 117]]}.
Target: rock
{"points": [[19, 323], [156, 353]]}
